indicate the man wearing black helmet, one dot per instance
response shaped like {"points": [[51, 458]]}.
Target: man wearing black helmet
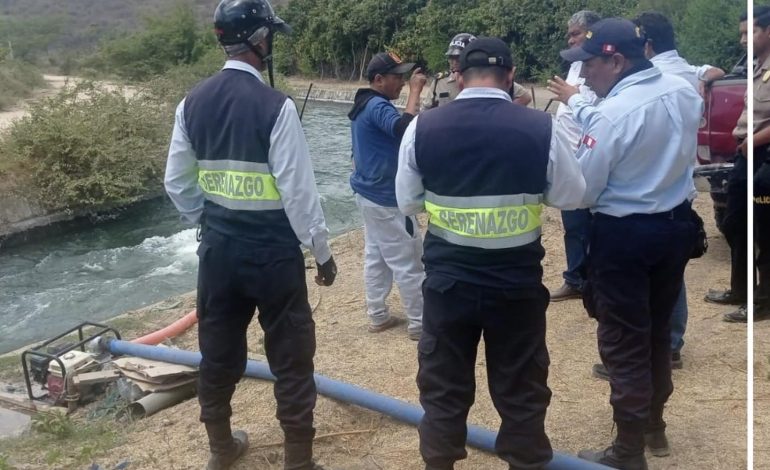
{"points": [[238, 164], [445, 87]]}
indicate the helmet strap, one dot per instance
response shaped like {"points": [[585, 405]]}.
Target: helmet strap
{"points": [[267, 59]]}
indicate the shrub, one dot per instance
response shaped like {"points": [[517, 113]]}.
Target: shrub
{"points": [[56, 424], [18, 80], [171, 38], [88, 146]]}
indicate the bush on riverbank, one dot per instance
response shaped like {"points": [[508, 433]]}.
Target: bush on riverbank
{"points": [[88, 146], [92, 148], [18, 79]]}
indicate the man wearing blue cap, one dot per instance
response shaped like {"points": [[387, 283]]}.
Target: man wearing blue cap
{"points": [[636, 155], [483, 180]]}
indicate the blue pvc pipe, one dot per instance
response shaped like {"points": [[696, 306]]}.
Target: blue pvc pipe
{"points": [[478, 437]]}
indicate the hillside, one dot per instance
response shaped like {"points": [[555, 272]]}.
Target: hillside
{"points": [[78, 25]]}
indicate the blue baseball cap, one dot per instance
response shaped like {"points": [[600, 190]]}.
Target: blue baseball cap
{"points": [[607, 37]]}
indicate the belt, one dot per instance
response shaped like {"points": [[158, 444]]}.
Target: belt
{"points": [[680, 212]]}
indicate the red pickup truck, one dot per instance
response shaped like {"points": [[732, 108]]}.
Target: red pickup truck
{"points": [[724, 103]]}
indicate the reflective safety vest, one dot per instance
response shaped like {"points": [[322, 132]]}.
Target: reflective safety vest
{"points": [[238, 185], [484, 163], [490, 222], [229, 119]]}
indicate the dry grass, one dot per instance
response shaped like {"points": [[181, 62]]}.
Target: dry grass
{"points": [[761, 395]]}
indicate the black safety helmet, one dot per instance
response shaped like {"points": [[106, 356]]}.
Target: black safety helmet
{"points": [[458, 43], [246, 21]]}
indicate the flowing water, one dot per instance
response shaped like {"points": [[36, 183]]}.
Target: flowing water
{"points": [[144, 256]]}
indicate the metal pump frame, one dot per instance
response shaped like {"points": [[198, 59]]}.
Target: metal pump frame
{"points": [[39, 351]]}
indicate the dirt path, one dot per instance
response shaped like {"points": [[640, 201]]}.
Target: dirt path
{"points": [[706, 414], [762, 395], [54, 83]]}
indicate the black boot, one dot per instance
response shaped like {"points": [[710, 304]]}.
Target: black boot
{"points": [[655, 434], [299, 456], [226, 446], [626, 453]]}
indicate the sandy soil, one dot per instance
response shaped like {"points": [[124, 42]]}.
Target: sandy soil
{"points": [[706, 415], [762, 395]]}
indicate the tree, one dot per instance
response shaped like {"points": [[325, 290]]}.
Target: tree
{"points": [[168, 39], [30, 38], [709, 32]]}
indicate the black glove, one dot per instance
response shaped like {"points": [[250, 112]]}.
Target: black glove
{"points": [[326, 273]]}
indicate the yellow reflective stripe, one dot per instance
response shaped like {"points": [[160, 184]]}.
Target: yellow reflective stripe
{"points": [[239, 185], [486, 223]]}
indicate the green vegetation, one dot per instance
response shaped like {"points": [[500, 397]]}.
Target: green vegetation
{"points": [[18, 79], [58, 425], [336, 38], [88, 146], [59, 33], [703, 37], [26, 38], [173, 38], [10, 367], [92, 146], [60, 441]]}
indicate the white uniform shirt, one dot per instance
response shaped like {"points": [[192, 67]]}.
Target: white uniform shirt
{"points": [[567, 129], [671, 62], [565, 183], [637, 150], [289, 163]]}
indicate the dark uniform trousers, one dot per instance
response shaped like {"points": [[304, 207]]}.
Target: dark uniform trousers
{"points": [[635, 269], [735, 225], [455, 316], [762, 224], [234, 279]]}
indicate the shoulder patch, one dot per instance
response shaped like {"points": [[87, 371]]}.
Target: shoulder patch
{"points": [[589, 141], [766, 76]]}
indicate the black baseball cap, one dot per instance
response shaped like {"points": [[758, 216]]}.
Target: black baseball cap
{"points": [[486, 52], [387, 62], [607, 37]]}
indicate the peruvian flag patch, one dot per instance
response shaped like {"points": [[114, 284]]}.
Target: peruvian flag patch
{"points": [[589, 141], [608, 48]]}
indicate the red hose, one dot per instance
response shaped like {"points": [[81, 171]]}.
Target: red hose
{"points": [[171, 331]]}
